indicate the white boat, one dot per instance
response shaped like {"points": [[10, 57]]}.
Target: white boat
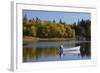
{"points": [[77, 48], [74, 52]]}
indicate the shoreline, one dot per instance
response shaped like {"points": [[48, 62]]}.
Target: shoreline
{"points": [[34, 39], [29, 39]]}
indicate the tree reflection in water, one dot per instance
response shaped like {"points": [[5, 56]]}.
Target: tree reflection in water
{"points": [[85, 49], [29, 53], [36, 53]]}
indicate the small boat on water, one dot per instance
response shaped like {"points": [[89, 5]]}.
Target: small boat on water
{"points": [[72, 52], [77, 48], [63, 49]]}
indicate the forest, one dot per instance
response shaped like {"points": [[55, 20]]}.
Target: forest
{"points": [[38, 28]]}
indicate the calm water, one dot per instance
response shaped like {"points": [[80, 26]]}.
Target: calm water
{"points": [[48, 51]]}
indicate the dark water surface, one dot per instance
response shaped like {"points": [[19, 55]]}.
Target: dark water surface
{"points": [[48, 51]]}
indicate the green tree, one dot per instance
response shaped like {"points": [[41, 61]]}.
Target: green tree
{"points": [[33, 31]]}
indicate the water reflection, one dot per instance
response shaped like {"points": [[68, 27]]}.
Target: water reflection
{"points": [[29, 53], [52, 53], [85, 49]]}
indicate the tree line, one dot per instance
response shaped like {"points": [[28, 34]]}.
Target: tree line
{"points": [[52, 29]]}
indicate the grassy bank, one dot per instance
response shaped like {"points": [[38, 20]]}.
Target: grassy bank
{"points": [[32, 39]]}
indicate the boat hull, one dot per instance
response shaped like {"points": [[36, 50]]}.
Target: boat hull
{"points": [[72, 49]]}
